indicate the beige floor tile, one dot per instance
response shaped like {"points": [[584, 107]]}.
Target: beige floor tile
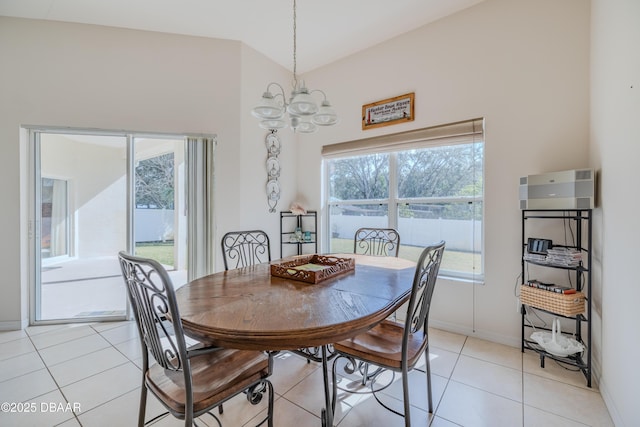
{"points": [[103, 387], [347, 400], [239, 411], [124, 332], [60, 336], [43, 329], [49, 409], [472, 407], [20, 365], [121, 411], [534, 417], [72, 349], [131, 349], [15, 348], [441, 422], [554, 370], [85, 366], [309, 395], [288, 370], [12, 335], [26, 387], [285, 414], [442, 361], [575, 403], [492, 352], [487, 376], [71, 423], [471, 378], [417, 389], [368, 412], [105, 326], [137, 362], [171, 421], [446, 340]]}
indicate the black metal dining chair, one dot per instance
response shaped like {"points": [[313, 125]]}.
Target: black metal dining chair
{"points": [[376, 241], [396, 347], [188, 381], [245, 248]]}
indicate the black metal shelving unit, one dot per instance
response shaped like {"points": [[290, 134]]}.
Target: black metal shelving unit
{"points": [[582, 218], [306, 222]]}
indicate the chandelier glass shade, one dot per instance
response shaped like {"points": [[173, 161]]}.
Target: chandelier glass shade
{"points": [[300, 111]]}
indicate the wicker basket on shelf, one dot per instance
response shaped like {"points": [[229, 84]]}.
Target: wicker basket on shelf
{"points": [[564, 304]]}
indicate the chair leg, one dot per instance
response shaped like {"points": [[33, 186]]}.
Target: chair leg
{"points": [[143, 404], [269, 388], [405, 391], [365, 373], [428, 373], [270, 410], [334, 386]]}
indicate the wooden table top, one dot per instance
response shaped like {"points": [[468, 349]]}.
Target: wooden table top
{"points": [[247, 308]]}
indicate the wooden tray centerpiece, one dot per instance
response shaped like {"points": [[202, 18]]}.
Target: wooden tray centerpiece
{"points": [[313, 268]]}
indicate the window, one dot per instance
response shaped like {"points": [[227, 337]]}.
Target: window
{"points": [[428, 188]]}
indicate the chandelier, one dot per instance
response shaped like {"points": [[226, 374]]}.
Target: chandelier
{"points": [[302, 111]]}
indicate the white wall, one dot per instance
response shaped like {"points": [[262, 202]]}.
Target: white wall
{"points": [[522, 65], [97, 195], [250, 172], [87, 76], [615, 150]]}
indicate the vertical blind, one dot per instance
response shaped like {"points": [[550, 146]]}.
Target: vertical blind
{"points": [[200, 252]]}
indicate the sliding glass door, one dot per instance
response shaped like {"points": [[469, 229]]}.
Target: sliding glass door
{"points": [[97, 194], [160, 226]]}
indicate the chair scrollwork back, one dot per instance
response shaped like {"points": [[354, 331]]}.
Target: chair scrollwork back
{"points": [[245, 248], [376, 241]]}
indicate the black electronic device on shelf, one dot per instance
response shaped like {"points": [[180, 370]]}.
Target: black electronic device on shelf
{"points": [[538, 246]]}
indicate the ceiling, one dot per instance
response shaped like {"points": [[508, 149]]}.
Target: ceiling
{"points": [[327, 30]]}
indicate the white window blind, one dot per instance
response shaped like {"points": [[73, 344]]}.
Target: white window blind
{"points": [[450, 134]]}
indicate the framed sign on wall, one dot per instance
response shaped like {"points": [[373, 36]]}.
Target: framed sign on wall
{"points": [[388, 111]]}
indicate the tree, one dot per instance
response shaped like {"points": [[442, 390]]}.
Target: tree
{"points": [[360, 178], [439, 171], [453, 171], [154, 182]]}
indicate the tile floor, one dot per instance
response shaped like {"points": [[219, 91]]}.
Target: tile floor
{"points": [[94, 369]]}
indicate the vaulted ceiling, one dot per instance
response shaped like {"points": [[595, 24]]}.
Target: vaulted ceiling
{"points": [[327, 30]]}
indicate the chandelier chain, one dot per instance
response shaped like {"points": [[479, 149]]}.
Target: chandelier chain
{"points": [[300, 109], [295, 76]]}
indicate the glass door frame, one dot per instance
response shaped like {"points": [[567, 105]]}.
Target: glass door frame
{"points": [[35, 214]]}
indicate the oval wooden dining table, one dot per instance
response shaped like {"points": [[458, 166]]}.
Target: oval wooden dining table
{"points": [[248, 308]]}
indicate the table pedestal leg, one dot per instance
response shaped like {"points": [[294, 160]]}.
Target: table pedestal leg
{"points": [[327, 413]]}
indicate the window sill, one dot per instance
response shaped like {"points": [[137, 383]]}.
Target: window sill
{"points": [[451, 278]]}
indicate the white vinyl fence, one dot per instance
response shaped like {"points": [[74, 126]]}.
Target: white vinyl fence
{"points": [[460, 235], [153, 225]]}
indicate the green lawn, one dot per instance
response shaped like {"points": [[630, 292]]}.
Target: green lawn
{"points": [[160, 251], [452, 260]]}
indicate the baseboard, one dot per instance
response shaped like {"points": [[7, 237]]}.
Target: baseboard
{"points": [[611, 407], [13, 325], [465, 330]]}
